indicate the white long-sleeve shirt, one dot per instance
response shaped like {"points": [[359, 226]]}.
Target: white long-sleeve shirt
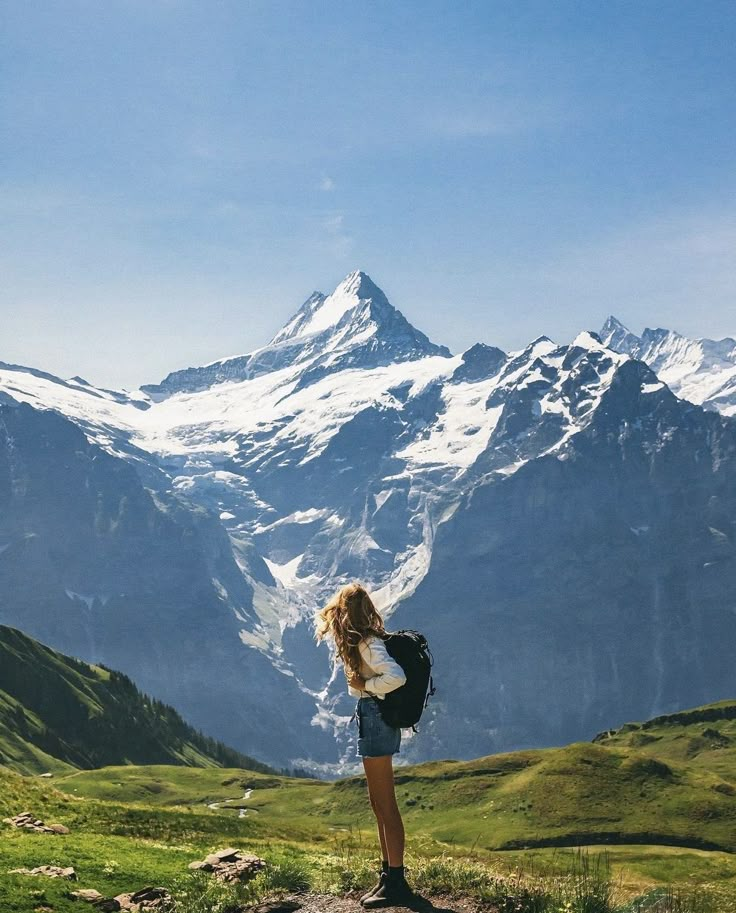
{"points": [[381, 673]]}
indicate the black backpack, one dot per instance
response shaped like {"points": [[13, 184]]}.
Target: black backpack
{"points": [[403, 706]]}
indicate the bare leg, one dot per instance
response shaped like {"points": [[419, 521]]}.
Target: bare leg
{"points": [[379, 822], [379, 773]]}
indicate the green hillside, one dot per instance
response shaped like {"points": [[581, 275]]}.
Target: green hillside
{"points": [[580, 794], [669, 781], [704, 738], [667, 819], [615, 790], [143, 794], [58, 713]]}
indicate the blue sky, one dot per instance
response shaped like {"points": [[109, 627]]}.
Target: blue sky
{"points": [[177, 177]]}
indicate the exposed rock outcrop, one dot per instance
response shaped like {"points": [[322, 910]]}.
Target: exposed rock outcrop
{"points": [[30, 822], [50, 871], [230, 865], [145, 899], [138, 902]]}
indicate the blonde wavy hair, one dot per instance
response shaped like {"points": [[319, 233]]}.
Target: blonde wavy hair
{"points": [[347, 618]]}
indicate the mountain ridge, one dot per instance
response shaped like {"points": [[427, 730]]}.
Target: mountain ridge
{"points": [[344, 463], [702, 370], [56, 708]]}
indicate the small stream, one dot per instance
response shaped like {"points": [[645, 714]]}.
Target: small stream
{"points": [[242, 812]]}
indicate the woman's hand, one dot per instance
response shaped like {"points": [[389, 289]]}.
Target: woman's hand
{"points": [[357, 681]]}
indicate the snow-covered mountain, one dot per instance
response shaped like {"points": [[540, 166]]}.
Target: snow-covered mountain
{"points": [[355, 326], [702, 371], [484, 497]]}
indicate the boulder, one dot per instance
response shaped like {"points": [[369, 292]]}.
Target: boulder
{"points": [[109, 905], [227, 855], [230, 865], [241, 870]]}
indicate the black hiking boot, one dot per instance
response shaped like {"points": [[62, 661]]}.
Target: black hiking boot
{"points": [[393, 892], [381, 878]]}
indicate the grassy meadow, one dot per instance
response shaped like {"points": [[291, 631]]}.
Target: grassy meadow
{"points": [[641, 819]]}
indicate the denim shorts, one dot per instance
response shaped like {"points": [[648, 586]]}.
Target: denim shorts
{"points": [[375, 738]]}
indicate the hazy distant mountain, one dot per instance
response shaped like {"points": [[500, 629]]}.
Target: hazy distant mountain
{"points": [[555, 518], [702, 371]]}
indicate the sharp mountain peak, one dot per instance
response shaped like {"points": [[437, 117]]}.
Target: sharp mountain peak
{"points": [[353, 326], [321, 312]]}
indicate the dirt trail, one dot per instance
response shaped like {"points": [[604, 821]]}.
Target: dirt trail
{"points": [[350, 903]]}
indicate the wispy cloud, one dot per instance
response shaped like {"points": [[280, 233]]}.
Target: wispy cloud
{"points": [[326, 183]]}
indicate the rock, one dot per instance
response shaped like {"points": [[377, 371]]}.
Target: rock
{"points": [[46, 775], [227, 855], [89, 895], [110, 905], [149, 894], [241, 870], [230, 865], [145, 899], [29, 822], [50, 871]]}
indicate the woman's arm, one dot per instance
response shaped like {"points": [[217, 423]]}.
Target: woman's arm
{"points": [[389, 674]]}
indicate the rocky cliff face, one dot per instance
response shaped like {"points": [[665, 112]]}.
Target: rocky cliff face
{"points": [[102, 568], [555, 519], [597, 582]]}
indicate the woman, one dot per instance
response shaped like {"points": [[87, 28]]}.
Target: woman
{"points": [[352, 621]]}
